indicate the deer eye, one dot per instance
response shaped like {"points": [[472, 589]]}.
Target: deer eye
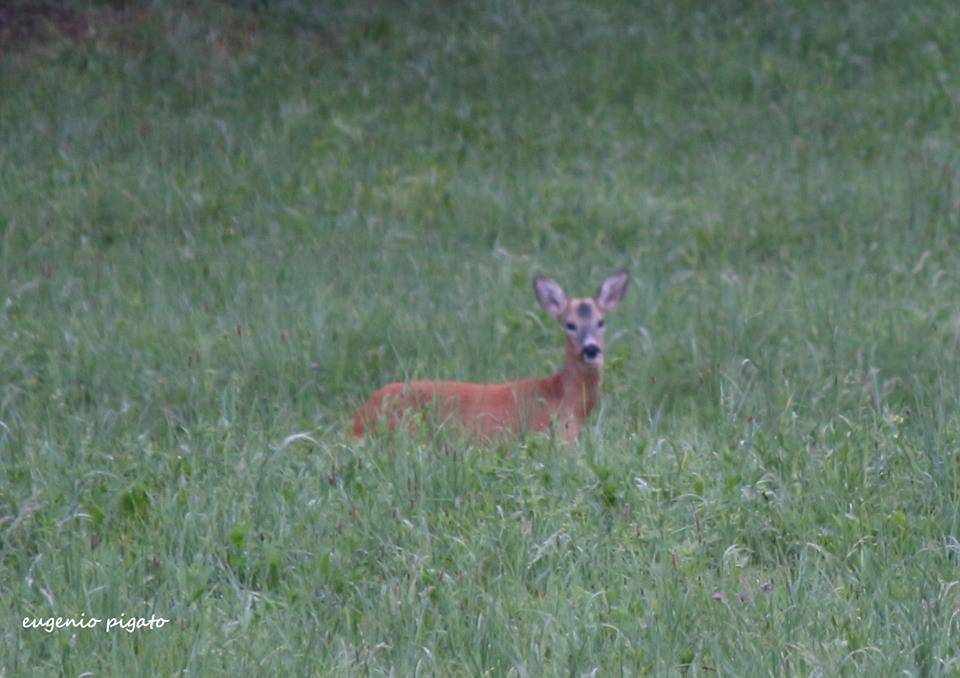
{"points": [[571, 327], [600, 322]]}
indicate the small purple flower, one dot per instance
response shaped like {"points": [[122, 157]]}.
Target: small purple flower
{"points": [[314, 366], [743, 597], [767, 586], [718, 597]]}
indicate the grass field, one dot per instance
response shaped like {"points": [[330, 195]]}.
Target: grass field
{"points": [[222, 225]]}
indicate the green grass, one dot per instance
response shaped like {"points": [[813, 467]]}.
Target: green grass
{"points": [[226, 224]]}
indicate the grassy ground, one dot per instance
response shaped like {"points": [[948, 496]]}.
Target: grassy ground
{"points": [[223, 225]]}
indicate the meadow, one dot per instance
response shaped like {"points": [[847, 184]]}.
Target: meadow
{"points": [[223, 225]]}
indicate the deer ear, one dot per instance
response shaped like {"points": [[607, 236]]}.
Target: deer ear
{"points": [[612, 290], [550, 295]]}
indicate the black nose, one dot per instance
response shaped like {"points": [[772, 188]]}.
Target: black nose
{"points": [[591, 351]]}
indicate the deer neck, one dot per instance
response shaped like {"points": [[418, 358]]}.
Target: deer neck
{"points": [[581, 384]]}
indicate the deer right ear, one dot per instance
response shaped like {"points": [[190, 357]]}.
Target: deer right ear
{"points": [[550, 295], [612, 290]]}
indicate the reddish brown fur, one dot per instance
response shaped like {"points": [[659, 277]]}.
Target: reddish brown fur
{"points": [[490, 410]]}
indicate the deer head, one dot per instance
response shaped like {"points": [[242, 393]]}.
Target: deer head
{"points": [[583, 319]]}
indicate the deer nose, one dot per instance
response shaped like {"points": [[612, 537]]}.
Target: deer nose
{"points": [[590, 351]]}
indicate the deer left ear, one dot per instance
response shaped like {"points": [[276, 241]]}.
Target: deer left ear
{"points": [[550, 295], [612, 290]]}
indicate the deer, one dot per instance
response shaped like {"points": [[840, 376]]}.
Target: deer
{"points": [[560, 402]]}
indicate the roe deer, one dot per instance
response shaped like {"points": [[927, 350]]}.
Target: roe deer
{"points": [[488, 410]]}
